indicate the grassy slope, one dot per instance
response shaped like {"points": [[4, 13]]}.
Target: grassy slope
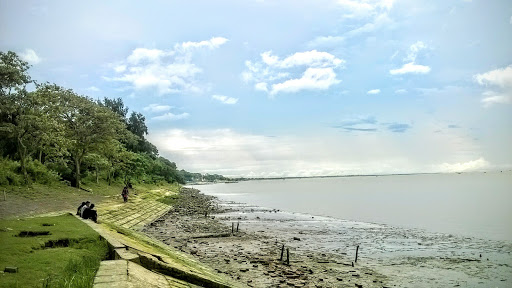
{"points": [[38, 266]]}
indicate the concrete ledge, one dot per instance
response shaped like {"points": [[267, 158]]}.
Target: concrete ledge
{"points": [[116, 273]]}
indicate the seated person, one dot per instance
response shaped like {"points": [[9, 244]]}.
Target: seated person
{"points": [[87, 203], [90, 213], [79, 210]]}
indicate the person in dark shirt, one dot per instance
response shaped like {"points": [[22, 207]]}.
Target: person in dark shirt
{"points": [[125, 194], [80, 208], [90, 213]]}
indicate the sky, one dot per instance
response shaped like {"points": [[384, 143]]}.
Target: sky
{"points": [[289, 88]]}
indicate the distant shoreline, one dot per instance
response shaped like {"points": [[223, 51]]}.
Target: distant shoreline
{"points": [[234, 180]]}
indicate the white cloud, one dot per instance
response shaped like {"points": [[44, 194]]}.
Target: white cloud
{"points": [[157, 108], [143, 54], [314, 153], [93, 89], [365, 8], [475, 165], [373, 91], [120, 68], [491, 99], [30, 56], [225, 99], [381, 20], [262, 86], [313, 78], [326, 41], [171, 116], [168, 71], [499, 77], [311, 58], [410, 68], [400, 91], [268, 75], [414, 50], [214, 42]]}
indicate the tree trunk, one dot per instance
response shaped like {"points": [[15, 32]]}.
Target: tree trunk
{"points": [[77, 170], [22, 151], [97, 171], [41, 156]]}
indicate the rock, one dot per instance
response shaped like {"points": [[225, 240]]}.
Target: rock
{"points": [[296, 238], [244, 269], [255, 265], [359, 285], [339, 278]]}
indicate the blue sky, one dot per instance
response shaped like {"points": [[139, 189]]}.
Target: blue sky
{"points": [[289, 88]]}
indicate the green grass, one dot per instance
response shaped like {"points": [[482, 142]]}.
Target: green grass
{"points": [[73, 264]]}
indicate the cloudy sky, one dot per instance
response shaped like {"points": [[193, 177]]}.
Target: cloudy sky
{"points": [[289, 88]]}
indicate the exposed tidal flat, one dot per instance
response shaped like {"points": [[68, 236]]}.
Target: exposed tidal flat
{"points": [[304, 215]]}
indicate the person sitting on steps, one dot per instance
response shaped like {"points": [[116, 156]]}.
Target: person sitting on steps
{"points": [[79, 210], [87, 203], [90, 213]]}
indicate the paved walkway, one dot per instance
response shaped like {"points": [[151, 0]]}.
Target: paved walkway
{"points": [[133, 215], [123, 273], [134, 251]]}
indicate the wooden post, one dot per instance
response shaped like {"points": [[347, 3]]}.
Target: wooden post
{"points": [[232, 228], [282, 252], [287, 256], [237, 224], [357, 250]]}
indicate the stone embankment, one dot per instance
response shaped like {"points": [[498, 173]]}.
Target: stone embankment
{"points": [[139, 261]]}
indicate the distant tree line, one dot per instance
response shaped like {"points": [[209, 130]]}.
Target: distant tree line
{"points": [[52, 134]]}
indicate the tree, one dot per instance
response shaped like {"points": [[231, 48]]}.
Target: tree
{"points": [[87, 126], [116, 105], [13, 74], [137, 124], [16, 105]]}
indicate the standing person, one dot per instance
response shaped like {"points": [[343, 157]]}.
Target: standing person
{"points": [[125, 194]]}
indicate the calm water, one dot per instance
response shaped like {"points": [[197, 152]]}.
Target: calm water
{"points": [[472, 204]]}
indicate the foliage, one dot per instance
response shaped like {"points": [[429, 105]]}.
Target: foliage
{"points": [[53, 133], [8, 175]]}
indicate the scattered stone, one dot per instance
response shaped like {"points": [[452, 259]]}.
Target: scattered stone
{"points": [[359, 285], [244, 269], [339, 278], [296, 238]]}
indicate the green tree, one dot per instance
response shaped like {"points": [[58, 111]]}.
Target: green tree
{"points": [[15, 105], [116, 105], [87, 126]]}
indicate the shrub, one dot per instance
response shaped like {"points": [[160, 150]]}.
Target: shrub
{"points": [[40, 173], [8, 175]]}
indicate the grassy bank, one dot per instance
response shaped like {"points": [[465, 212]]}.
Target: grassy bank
{"points": [[58, 251]]}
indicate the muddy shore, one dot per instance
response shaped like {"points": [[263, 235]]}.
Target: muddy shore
{"points": [[245, 243]]}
